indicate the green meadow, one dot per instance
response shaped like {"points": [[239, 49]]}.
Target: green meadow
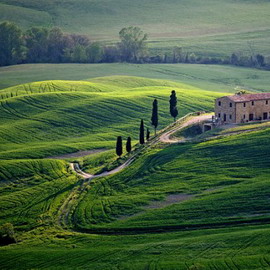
{"points": [[197, 205], [216, 78], [49, 118], [210, 27]]}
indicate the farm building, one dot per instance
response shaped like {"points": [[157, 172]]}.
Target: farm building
{"points": [[241, 108]]}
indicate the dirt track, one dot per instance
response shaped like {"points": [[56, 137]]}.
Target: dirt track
{"points": [[164, 137]]}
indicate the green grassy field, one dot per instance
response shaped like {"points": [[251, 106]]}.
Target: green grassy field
{"points": [[227, 179], [55, 117], [212, 27], [208, 77], [209, 200]]}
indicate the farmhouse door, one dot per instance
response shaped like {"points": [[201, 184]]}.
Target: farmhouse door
{"points": [[251, 117], [225, 117], [265, 115]]}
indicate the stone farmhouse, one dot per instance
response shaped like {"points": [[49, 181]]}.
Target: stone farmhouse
{"points": [[242, 108]]}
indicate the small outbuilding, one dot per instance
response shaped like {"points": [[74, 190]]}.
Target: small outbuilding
{"points": [[242, 108]]}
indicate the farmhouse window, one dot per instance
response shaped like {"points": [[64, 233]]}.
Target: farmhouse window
{"points": [[230, 104], [219, 103], [252, 103], [219, 115], [244, 116], [230, 116], [244, 104], [266, 102]]}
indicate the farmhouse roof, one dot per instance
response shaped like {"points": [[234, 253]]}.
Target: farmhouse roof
{"points": [[249, 97]]}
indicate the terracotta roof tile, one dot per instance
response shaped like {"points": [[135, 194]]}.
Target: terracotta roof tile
{"points": [[249, 97]]}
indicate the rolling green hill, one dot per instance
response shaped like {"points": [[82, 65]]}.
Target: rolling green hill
{"points": [[54, 117], [213, 27], [221, 182], [211, 77], [208, 200]]}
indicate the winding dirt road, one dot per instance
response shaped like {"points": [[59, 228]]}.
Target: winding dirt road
{"points": [[164, 137]]}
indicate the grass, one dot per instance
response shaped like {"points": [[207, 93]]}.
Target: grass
{"points": [[55, 117], [234, 248], [237, 187], [210, 27], [227, 178], [208, 77]]}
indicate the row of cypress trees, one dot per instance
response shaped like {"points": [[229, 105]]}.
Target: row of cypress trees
{"points": [[154, 122]]}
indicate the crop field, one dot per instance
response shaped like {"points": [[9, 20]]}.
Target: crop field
{"points": [[55, 117], [227, 183], [215, 78], [212, 27], [197, 205]]}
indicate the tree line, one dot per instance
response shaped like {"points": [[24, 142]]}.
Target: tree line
{"points": [[52, 45], [44, 45], [143, 137]]}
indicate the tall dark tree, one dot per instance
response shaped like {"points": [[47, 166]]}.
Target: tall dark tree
{"points": [[119, 147], [173, 105], [142, 133], [147, 134], [11, 44], [154, 118], [128, 145]]}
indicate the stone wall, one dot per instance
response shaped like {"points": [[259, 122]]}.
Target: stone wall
{"points": [[258, 109], [225, 110]]}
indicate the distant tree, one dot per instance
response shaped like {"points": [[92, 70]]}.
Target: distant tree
{"points": [[187, 58], [173, 105], [132, 44], [111, 54], [7, 234], [94, 52], [241, 92], [36, 39], [57, 44], [79, 54], [147, 134], [192, 58], [119, 146], [11, 44], [260, 60], [234, 59], [142, 132], [128, 145], [77, 39], [177, 55], [154, 118]]}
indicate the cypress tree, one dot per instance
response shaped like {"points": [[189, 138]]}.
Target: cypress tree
{"points": [[119, 147], [142, 132], [128, 145], [147, 134], [173, 105], [154, 118]]}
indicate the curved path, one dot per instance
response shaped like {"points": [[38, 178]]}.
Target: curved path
{"points": [[164, 137], [75, 167]]}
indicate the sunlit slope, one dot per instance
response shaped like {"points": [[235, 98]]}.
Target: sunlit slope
{"points": [[47, 118], [224, 180], [216, 78]]}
